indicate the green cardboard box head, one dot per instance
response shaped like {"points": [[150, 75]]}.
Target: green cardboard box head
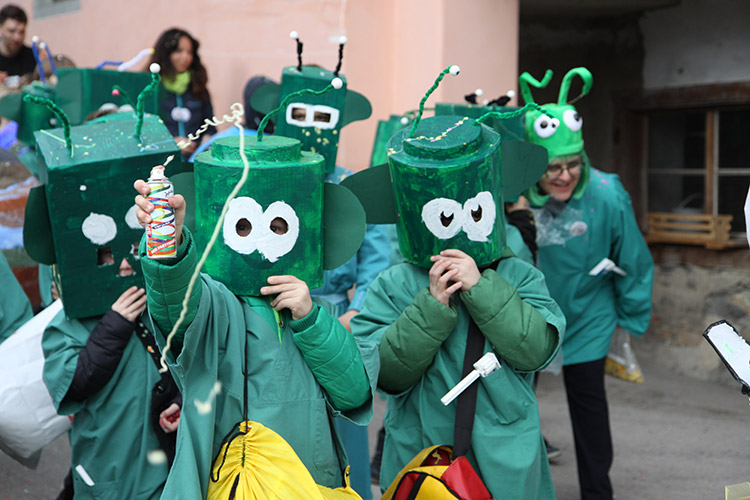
{"points": [[315, 120]]}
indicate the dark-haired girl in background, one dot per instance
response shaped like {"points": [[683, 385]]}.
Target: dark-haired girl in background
{"points": [[186, 102]]}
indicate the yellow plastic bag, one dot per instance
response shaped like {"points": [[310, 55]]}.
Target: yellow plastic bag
{"points": [[621, 362], [257, 463]]}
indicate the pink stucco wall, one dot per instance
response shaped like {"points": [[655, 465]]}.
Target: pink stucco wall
{"points": [[396, 47]]}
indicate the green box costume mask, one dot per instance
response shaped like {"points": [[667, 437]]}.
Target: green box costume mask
{"points": [[560, 130], [84, 210], [315, 120], [284, 220], [445, 184]]}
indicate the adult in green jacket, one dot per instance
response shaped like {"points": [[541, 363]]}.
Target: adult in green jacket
{"points": [[15, 309], [582, 216], [303, 368], [422, 342]]}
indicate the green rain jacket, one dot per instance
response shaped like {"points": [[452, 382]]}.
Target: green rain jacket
{"points": [[598, 224], [299, 373], [111, 434], [422, 345], [15, 309]]}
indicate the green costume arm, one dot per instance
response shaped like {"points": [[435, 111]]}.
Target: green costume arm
{"points": [[332, 354], [517, 331], [409, 345], [166, 283], [15, 309], [630, 252]]}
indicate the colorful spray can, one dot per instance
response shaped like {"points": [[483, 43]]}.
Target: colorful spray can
{"points": [[160, 232]]}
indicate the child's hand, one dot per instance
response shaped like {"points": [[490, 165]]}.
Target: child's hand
{"points": [[169, 419], [131, 303], [293, 294], [145, 207], [440, 277], [466, 269]]}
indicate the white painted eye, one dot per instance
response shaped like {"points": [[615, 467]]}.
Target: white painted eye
{"points": [[572, 119], [131, 219], [243, 225], [479, 216], [99, 229], [544, 126], [279, 232], [443, 217]]}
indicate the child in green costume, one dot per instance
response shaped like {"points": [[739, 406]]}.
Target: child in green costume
{"points": [[448, 191], [303, 367], [582, 216]]}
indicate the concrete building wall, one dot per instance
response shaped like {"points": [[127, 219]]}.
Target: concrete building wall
{"points": [[395, 50], [696, 42]]}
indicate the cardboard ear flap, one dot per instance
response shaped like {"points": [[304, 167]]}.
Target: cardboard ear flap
{"points": [[523, 164], [344, 225], [356, 107], [374, 188], [10, 106], [266, 98], [184, 184], [37, 230]]}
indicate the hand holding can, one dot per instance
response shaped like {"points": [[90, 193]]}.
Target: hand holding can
{"points": [[160, 232]]}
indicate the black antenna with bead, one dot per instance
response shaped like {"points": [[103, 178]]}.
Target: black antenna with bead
{"points": [[342, 42], [472, 98], [295, 36], [503, 99]]}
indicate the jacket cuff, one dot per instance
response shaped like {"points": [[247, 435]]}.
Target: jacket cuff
{"points": [[300, 325], [117, 325], [491, 288]]}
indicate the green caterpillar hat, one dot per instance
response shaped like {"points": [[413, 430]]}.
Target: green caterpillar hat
{"points": [[82, 218], [315, 120], [284, 220], [445, 183]]}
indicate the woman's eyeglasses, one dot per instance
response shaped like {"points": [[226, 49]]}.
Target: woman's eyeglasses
{"points": [[555, 170]]}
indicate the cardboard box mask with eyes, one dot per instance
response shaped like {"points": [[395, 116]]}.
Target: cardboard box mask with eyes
{"points": [[82, 218]]}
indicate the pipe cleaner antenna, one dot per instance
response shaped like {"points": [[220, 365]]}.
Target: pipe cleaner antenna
{"points": [[526, 79], [140, 106], [453, 70], [58, 112], [342, 42], [295, 36], [35, 51], [336, 83], [585, 75], [118, 91], [513, 114]]}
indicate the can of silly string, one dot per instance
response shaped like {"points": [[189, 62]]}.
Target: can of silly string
{"points": [[160, 232]]}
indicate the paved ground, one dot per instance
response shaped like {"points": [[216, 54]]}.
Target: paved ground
{"points": [[674, 438]]}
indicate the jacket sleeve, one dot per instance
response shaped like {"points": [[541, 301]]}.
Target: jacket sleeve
{"points": [[373, 257], [518, 332], [630, 252], [334, 358], [166, 285], [98, 361]]}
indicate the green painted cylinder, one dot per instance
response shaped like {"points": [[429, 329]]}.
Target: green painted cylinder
{"points": [[274, 225], [448, 188]]}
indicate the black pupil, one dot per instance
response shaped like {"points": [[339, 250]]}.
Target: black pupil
{"points": [[446, 220], [543, 124], [243, 227], [476, 214]]}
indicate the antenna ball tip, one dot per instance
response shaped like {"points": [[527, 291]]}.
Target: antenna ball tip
{"points": [[479, 92], [35, 39], [404, 120], [43, 46], [337, 83], [454, 70], [343, 40], [511, 94], [154, 68], [115, 92], [293, 35]]}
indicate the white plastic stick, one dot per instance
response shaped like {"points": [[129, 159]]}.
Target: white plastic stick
{"points": [[129, 64], [84, 475], [606, 265], [483, 367]]}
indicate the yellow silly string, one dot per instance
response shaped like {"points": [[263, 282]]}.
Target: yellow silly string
{"points": [[237, 113]]}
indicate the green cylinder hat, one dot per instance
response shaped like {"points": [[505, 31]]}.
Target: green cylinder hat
{"points": [[448, 176], [284, 220], [82, 218], [315, 120]]}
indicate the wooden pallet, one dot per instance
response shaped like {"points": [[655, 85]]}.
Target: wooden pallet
{"points": [[711, 231]]}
